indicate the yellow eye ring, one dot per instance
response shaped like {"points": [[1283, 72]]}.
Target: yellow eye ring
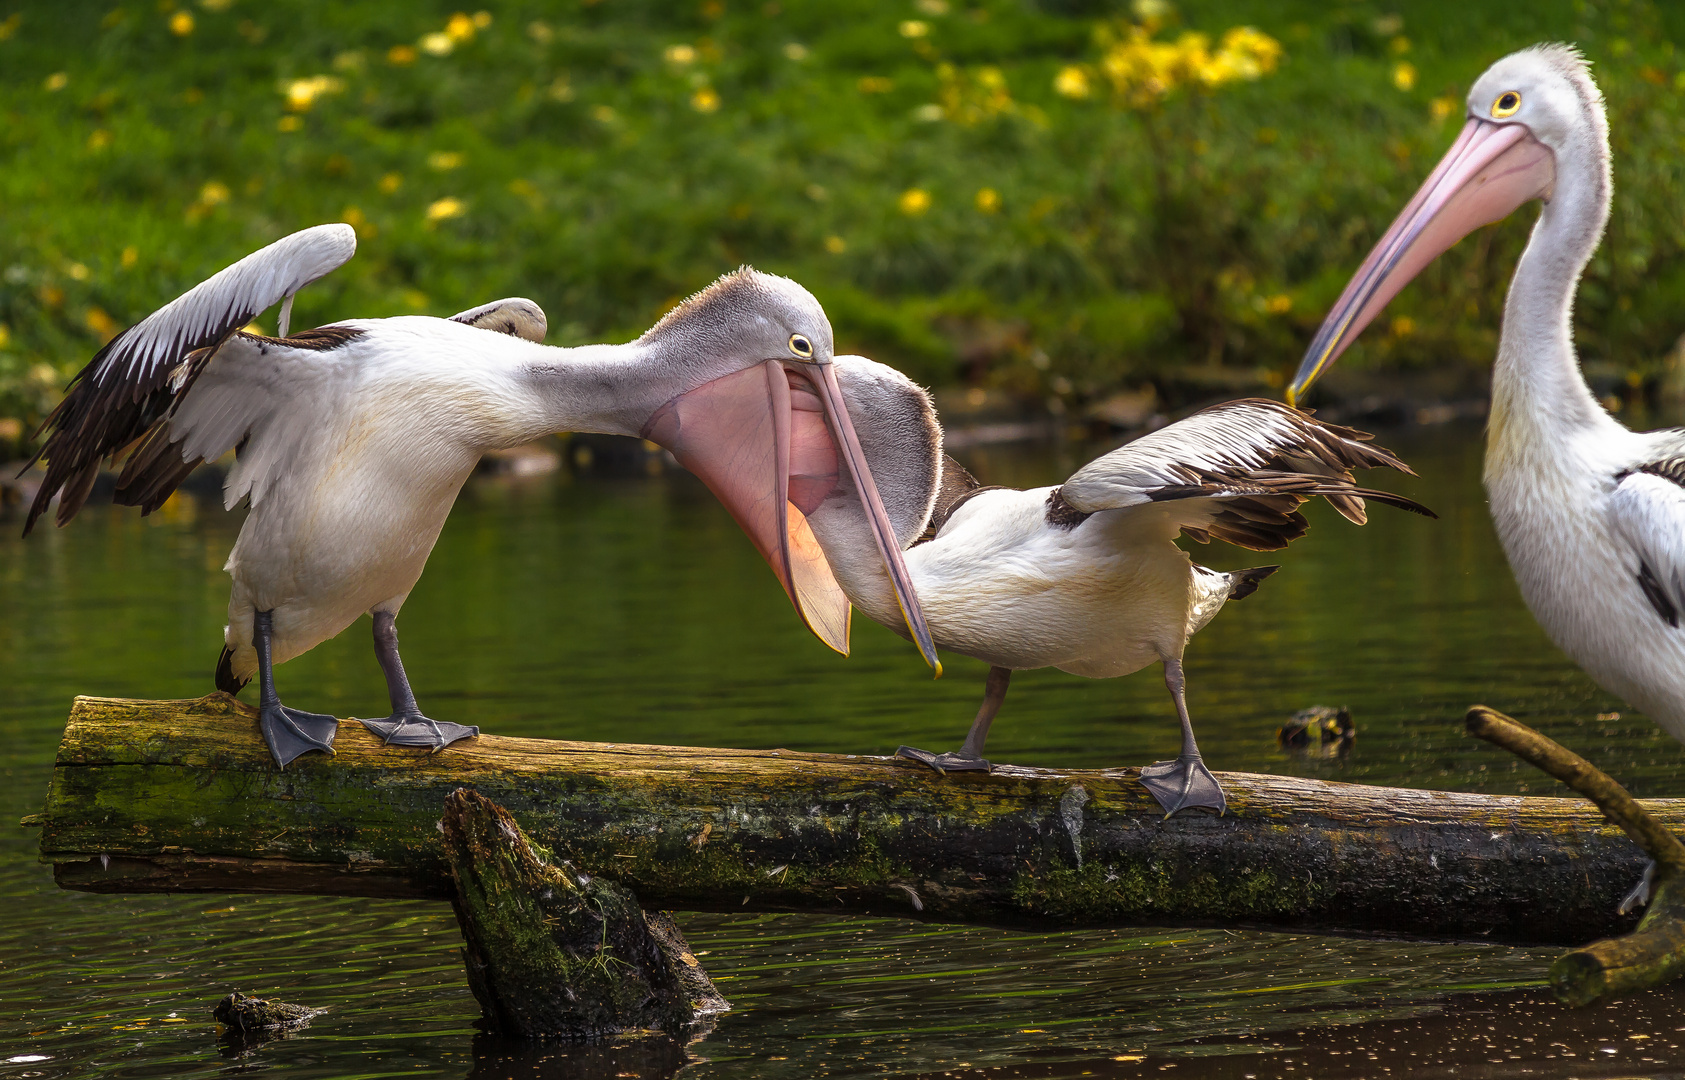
{"points": [[801, 346], [1508, 104]]}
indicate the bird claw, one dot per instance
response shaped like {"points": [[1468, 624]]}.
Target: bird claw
{"points": [[952, 761], [414, 729], [1183, 783]]}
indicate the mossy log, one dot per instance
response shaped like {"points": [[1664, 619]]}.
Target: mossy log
{"points": [[172, 796], [552, 952]]}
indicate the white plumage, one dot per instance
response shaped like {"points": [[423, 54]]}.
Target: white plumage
{"points": [[1085, 576], [352, 441], [1590, 514]]}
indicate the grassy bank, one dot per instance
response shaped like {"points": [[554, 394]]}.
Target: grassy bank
{"points": [[916, 165]]}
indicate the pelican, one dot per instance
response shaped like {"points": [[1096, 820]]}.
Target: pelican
{"points": [[352, 441], [1084, 576], [1590, 514]]}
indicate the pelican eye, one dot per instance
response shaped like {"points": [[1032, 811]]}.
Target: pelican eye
{"points": [[1508, 104], [801, 346]]}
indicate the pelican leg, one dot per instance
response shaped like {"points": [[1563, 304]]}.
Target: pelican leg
{"points": [[406, 726], [289, 732], [969, 757], [1186, 781]]}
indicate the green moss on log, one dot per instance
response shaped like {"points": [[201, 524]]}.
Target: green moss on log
{"points": [[553, 953], [182, 795]]}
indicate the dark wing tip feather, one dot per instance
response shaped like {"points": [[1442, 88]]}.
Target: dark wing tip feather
{"points": [[133, 381]]}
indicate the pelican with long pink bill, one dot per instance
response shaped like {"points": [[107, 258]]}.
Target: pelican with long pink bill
{"points": [[1084, 576], [1591, 515], [352, 440]]}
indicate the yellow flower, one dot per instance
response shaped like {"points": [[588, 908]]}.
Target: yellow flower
{"points": [[77, 271], [875, 84], [604, 114], [1071, 82], [559, 90], [5, 335], [289, 123], [131, 255], [99, 139], [444, 160], [56, 81], [101, 323], [460, 27], [679, 54], [213, 193], [181, 24], [447, 207], [8, 27], [796, 51], [390, 182], [354, 217], [914, 28], [301, 94], [705, 100], [1404, 75], [1441, 107], [1403, 326], [482, 19], [437, 43], [400, 55], [988, 200], [914, 201], [836, 245], [1279, 304]]}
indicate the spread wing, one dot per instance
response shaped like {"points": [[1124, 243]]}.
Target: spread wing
{"points": [[142, 374], [516, 316], [1647, 514], [1237, 471]]}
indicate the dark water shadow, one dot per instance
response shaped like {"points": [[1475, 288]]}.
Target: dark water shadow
{"points": [[1492, 1036], [654, 1057]]}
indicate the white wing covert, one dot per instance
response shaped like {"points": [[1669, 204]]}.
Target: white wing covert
{"points": [[1647, 513], [1237, 471], [144, 373]]}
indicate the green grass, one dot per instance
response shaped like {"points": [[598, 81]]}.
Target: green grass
{"points": [[588, 179]]}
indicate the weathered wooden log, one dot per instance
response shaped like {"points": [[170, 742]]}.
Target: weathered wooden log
{"points": [[168, 796], [1654, 953], [554, 953]]}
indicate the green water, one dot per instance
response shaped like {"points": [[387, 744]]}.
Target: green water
{"points": [[605, 605]]}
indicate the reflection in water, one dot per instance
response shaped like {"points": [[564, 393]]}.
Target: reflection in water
{"points": [[630, 608]]}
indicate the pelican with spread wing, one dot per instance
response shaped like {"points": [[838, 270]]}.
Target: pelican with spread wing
{"points": [[1084, 576], [352, 440]]}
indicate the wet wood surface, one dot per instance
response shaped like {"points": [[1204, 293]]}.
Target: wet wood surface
{"points": [[163, 796]]}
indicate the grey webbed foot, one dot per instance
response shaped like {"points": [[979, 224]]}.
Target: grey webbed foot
{"points": [[1182, 783], [414, 729], [952, 761], [291, 732]]}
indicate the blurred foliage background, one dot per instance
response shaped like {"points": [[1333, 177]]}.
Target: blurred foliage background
{"points": [[1060, 199]]}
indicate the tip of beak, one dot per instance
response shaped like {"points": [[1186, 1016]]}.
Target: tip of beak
{"points": [[938, 666]]}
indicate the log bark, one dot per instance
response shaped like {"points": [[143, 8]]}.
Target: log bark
{"points": [[172, 796], [555, 953]]}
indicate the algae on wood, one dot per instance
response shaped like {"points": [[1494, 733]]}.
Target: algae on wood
{"points": [[182, 795], [552, 952]]}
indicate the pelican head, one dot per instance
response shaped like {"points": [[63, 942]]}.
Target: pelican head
{"points": [[762, 421], [1528, 115]]}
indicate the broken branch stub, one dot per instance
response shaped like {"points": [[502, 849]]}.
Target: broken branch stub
{"points": [[551, 952], [1652, 954]]}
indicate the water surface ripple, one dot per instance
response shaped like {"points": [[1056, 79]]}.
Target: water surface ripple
{"points": [[629, 608]]}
